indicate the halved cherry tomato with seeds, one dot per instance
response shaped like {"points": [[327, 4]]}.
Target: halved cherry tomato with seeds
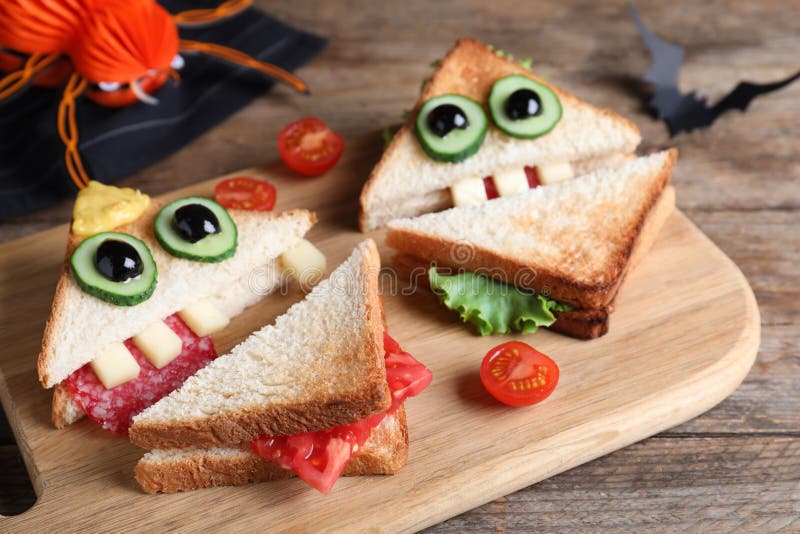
{"points": [[518, 375], [244, 193], [309, 147]]}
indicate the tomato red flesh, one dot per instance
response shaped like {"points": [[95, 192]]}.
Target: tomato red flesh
{"points": [[518, 375], [533, 177], [245, 193], [309, 147], [320, 457], [491, 190]]}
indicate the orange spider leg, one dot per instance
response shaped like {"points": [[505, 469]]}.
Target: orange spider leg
{"points": [[205, 16], [240, 58], [18, 79], [68, 129]]}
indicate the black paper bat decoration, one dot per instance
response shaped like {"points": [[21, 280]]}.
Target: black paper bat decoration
{"points": [[687, 111]]}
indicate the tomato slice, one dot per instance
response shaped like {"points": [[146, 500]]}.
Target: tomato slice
{"points": [[244, 193], [320, 457], [309, 147], [518, 375]]}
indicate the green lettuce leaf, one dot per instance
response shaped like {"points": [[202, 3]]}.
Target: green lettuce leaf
{"points": [[492, 306]]}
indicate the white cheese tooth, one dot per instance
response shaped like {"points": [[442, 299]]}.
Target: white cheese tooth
{"points": [[468, 192], [115, 366], [159, 343], [204, 318], [510, 181], [554, 173], [305, 262]]}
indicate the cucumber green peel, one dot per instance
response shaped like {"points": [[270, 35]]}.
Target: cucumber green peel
{"points": [[458, 144], [130, 293], [531, 127], [212, 248]]}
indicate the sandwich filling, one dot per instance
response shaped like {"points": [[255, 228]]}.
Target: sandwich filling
{"points": [[113, 408], [320, 457], [513, 179], [494, 307], [508, 178]]}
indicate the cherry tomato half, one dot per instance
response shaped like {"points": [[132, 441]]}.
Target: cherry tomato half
{"points": [[518, 375], [244, 193], [308, 147]]}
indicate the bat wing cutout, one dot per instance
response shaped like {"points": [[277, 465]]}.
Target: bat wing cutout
{"points": [[684, 112]]}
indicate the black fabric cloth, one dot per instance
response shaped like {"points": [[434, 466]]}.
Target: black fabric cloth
{"points": [[114, 143]]}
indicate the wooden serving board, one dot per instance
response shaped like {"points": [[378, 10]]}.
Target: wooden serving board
{"points": [[684, 335]]}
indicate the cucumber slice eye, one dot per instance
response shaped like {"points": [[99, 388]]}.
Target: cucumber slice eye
{"points": [[114, 267], [196, 228], [522, 107], [451, 128]]}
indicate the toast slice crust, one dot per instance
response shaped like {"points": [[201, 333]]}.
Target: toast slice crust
{"points": [[169, 471], [64, 409], [405, 182], [80, 326], [320, 365], [578, 323], [573, 241]]}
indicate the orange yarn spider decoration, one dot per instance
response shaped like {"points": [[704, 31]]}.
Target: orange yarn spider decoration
{"points": [[116, 52]]}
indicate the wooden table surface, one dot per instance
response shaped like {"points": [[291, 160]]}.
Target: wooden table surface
{"points": [[737, 466]]}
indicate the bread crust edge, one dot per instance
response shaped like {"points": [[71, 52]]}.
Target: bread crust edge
{"points": [[581, 323], [231, 429], [205, 472], [577, 294]]}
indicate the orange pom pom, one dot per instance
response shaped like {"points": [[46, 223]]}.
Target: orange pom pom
{"points": [[39, 26], [124, 41]]}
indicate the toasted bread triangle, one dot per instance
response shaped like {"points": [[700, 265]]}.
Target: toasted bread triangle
{"points": [[404, 176], [572, 241], [320, 365], [81, 326]]}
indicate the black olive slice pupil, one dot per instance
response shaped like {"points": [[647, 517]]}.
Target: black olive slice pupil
{"points": [[193, 222], [118, 261], [445, 118], [522, 104]]}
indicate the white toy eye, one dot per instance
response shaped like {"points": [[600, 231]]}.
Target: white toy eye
{"points": [[109, 86], [177, 62]]}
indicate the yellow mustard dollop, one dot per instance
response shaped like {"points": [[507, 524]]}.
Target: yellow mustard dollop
{"points": [[101, 208]]}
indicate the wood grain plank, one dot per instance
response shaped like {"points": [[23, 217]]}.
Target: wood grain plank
{"points": [[765, 244], [768, 401], [742, 484]]}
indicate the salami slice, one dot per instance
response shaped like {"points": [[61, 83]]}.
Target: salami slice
{"points": [[113, 409], [320, 457]]}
